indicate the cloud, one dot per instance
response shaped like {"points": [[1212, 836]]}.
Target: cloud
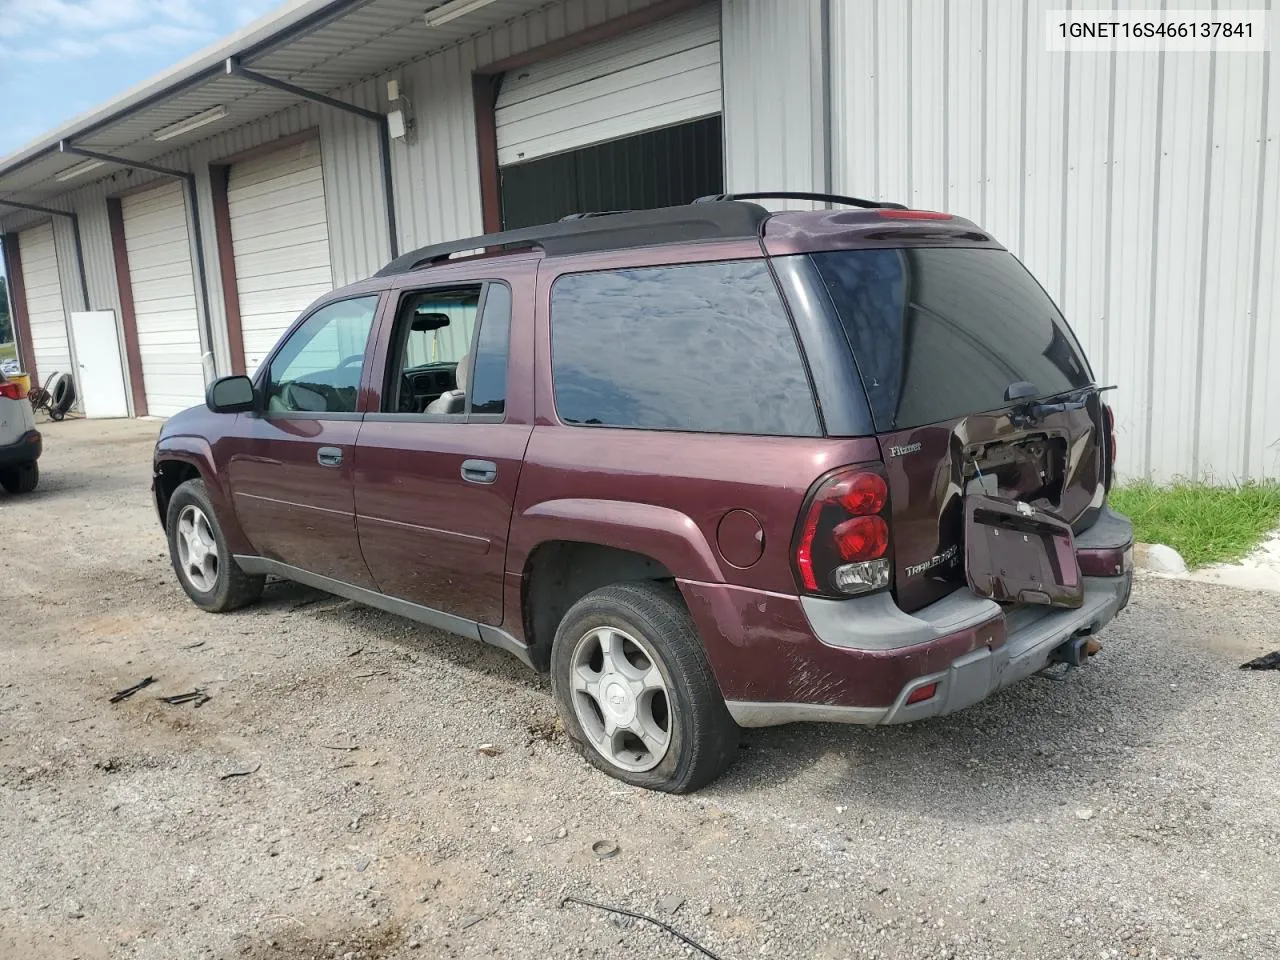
{"points": [[244, 12], [51, 30]]}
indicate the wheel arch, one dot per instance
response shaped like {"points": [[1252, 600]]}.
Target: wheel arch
{"points": [[559, 573], [182, 458]]}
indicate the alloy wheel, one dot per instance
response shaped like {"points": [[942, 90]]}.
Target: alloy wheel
{"points": [[621, 699], [197, 548]]}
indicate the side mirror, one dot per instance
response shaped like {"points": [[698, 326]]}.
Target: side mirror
{"points": [[230, 395]]}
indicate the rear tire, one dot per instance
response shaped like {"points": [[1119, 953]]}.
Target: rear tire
{"points": [[635, 691], [201, 558], [20, 479]]}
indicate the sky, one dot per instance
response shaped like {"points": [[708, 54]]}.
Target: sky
{"points": [[59, 58]]}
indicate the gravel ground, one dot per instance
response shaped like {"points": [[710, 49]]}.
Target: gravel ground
{"points": [[1131, 810]]}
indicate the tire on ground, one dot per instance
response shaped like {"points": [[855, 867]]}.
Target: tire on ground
{"points": [[703, 737], [20, 479], [233, 588]]}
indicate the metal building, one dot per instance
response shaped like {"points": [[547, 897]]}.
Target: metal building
{"points": [[207, 208]]}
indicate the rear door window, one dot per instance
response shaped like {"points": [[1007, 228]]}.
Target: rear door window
{"points": [[940, 333], [704, 347]]}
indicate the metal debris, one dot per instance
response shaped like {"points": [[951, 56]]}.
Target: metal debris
{"points": [[128, 692], [671, 903], [241, 773], [196, 697], [605, 849]]}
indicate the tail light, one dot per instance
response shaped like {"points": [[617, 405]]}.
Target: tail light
{"points": [[842, 542], [11, 391]]}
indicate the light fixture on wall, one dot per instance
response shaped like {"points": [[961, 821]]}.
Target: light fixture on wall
{"points": [[78, 170], [399, 113], [452, 11], [191, 123]]}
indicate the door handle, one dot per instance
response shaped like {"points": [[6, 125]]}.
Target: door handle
{"points": [[329, 457], [479, 471]]}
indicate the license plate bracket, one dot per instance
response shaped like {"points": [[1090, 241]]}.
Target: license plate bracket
{"points": [[1016, 553]]}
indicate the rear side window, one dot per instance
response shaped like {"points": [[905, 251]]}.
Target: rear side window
{"points": [[489, 374], [702, 347], [940, 333]]}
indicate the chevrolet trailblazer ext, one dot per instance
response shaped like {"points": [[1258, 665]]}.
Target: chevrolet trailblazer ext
{"points": [[710, 466]]}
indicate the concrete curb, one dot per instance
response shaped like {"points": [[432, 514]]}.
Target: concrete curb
{"points": [[1258, 571]]}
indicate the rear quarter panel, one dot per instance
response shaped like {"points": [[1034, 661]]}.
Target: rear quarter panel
{"points": [[586, 483], [593, 483]]}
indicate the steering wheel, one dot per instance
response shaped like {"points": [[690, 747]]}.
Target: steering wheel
{"points": [[354, 358], [408, 402]]}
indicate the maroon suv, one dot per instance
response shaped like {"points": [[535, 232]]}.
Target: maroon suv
{"points": [[709, 466]]}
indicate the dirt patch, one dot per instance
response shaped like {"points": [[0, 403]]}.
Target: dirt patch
{"points": [[376, 944]]}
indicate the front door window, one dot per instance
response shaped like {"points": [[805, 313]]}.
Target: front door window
{"points": [[318, 368]]}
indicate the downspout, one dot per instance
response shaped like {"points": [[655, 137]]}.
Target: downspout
{"points": [[828, 112], [233, 68]]}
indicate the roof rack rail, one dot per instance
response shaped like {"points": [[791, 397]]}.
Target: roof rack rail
{"points": [[591, 213], [638, 228], [817, 197]]}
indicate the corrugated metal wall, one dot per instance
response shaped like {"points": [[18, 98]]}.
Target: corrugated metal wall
{"points": [[771, 59], [1140, 188]]}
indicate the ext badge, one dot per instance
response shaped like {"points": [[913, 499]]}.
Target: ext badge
{"points": [[903, 450]]}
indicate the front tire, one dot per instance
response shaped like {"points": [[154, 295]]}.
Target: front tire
{"points": [[20, 479], [200, 555], [635, 691]]}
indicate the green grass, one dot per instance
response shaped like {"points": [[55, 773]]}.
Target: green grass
{"points": [[8, 351], [1204, 523]]}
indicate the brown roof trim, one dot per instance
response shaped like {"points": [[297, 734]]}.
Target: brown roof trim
{"points": [[595, 34], [485, 82], [128, 315], [18, 298], [219, 180], [292, 140]]}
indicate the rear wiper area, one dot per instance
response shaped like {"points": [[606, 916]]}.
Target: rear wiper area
{"points": [[1028, 410]]}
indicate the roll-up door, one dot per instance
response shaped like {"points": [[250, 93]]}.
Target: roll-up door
{"points": [[50, 344], [280, 237], [656, 77], [164, 298]]}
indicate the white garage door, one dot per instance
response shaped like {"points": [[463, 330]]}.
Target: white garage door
{"points": [[49, 341], [280, 236], [656, 77], [164, 298]]}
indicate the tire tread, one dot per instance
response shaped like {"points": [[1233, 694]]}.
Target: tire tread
{"points": [[235, 588], [713, 743]]}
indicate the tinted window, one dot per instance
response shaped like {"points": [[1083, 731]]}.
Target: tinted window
{"points": [[705, 347], [489, 375], [318, 367], [940, 333]]}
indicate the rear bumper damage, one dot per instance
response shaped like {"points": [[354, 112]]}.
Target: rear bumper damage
{"points": [[952, 653]]}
